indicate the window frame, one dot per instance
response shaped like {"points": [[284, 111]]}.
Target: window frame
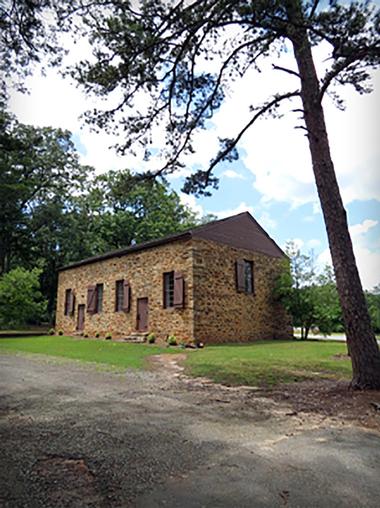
{"points": [[249, 289], [119, 297], [99, 308], [168, 292], [68, 296]]}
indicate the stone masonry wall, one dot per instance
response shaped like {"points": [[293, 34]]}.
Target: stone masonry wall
{"points": [[221, 314], [144, 271]]}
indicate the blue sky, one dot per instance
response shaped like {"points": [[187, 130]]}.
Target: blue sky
{"points": [[272, 179]]}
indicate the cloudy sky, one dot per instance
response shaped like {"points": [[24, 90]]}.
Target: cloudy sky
{"points": [[273, 178]]}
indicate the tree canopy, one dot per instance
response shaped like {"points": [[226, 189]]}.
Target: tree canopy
{"points": [[54, 211], [310, 297], [184, 57]]}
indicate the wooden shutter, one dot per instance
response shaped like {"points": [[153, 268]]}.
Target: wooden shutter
{"points": [[179, 290], [91, 299], [126, 296], [240, 275], [71, 306]]}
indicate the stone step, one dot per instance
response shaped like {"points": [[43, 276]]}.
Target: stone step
{"points": [[137, 337]]}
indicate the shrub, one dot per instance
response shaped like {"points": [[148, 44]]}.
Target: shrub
{"points": [[85, 335], [97, 335], [172, 340], [51, 331], [21, 300], [108, 336], [60, 332], [151, 338]]}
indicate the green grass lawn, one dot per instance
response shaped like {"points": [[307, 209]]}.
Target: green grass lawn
{"points": [[113, 354], [259, 364], [270, 362]]}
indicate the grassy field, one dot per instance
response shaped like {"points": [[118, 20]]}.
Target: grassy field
{"points": [[113, 354], [268, 363], [258, 364]]}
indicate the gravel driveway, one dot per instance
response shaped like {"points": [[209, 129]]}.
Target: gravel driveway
{"points": [[74, 436]]}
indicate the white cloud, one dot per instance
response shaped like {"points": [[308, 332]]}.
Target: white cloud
{"points": [[242, 207], [190, 201], [368, 261], [230, 173], [274, 151], [264, 219], [360, 229]]}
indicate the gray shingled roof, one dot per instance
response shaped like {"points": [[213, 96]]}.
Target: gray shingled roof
{"points": [[241, 231]]}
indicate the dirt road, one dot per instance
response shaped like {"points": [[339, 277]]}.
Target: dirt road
{"points": [[74, 436]]}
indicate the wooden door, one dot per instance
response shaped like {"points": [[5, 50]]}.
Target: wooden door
{"points": [[142, 314], [80, 319]]}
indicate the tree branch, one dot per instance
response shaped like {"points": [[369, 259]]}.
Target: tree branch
{"points": [[284, 69], [267, 107]]}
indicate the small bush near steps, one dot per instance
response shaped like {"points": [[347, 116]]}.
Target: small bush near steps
{"points": [[172, 340], [151, 338]]}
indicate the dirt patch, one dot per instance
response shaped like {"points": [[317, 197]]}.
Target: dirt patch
{"points": [[330, 399], [171, 365], [71, 477], [315, 400], [341, 356]]}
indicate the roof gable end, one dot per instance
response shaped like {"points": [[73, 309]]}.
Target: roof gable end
{"points": [[241, 231]]}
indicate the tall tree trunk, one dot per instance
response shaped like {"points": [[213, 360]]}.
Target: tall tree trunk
{"points": [[361, 341]]}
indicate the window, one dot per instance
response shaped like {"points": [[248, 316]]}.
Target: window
{"points": [[244, 276], [174, 290], [95, 299], [119, 295], [168, 289], [99, 297], [122, 296], [248, 276], [67, 301]]}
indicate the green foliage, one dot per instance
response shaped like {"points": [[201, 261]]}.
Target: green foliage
{"points": [[51, 331], [373, 302], [311, 299], [53, 211], [108, 336], [151, 338], [21, 301], [172, 340]]}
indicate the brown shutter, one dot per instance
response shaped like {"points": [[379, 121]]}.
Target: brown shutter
{"points": [[240, 275], [179, 290], [72, 303], [126, 296], [91, 299]]}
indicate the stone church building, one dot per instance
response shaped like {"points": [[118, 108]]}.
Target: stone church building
{"points": [[212, 284]]}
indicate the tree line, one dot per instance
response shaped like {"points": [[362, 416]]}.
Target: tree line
{"points": [[310, 295], [54, 211]]}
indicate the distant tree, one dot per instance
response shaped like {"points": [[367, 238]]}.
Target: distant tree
{"points": [[37, 166], [373, 300], [310, 298], [21, 301], [131, 209]]}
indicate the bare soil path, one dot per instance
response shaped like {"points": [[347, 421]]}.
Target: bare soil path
{"points": [[72, 436]]}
